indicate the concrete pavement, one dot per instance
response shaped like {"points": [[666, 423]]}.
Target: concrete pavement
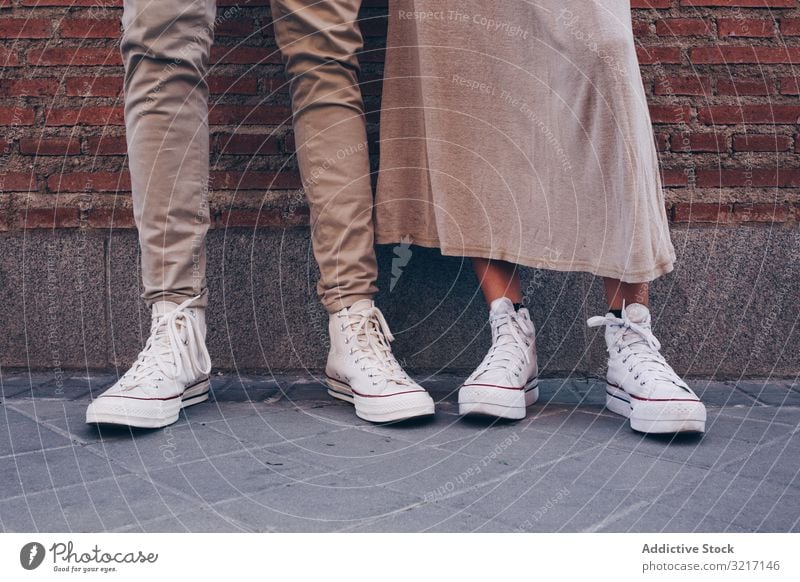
{"points": [[278, 454]]}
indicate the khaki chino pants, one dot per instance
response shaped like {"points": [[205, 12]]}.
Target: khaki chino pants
{"points": [[165, 50]]}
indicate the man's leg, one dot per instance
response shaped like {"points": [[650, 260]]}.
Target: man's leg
{"points": [[319, 42], [165, 48]]}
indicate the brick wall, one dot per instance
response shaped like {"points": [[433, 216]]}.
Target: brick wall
{"points": [[721, 76]]}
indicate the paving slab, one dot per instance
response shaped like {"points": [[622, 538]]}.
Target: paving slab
{"points": [[273, 452]]}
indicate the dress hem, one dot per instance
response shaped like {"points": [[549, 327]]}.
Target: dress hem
{"points": [[645, 276]]}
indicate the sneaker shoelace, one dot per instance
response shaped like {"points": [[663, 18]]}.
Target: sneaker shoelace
{"points": [[372, 337], [642, 348], [174, 339], [509, 342]]}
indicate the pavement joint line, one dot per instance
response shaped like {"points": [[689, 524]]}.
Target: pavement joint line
{"points": [[35, 451], [753, 397], [713, 505], [757, 446], [132, 471], [760, 420], [52, 428]]}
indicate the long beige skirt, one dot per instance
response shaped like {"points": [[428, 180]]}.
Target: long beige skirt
{"points": [[519, 131]]}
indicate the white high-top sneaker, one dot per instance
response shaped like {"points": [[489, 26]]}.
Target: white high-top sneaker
{"points": [[363, 371], [171, 372], [641, 385], [506, 382]]}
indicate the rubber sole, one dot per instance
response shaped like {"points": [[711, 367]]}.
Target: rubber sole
{"points": [[384, 408], [657, 417], [510, 403], [145, 413]]}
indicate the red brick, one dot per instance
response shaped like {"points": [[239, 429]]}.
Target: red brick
{"points": [[640, 27], [235, 27], [109, 3], [233, 85], [701, 212], [674, 177], [745, 54], [743, 86], [16, 115], [670, 113], [249, 115], [107, 145], [699, 142], [90, 182], [661, 141], [790, 86], [790, 26], [97, 115], [246, 144], [265, 217], [687, 85], [734, 114], [748, 178], [651, 3], [29, 87], [91, 86], [229, 180], [760, 212], [9, 58], [18, 182], [56, 217], [742, 3], [89, 28], [55, 146], [651, 55], [684, 27], [25, 28], [745, 27], [110, 218], [247, 3], [244, 55], [761, 143], [75, 56]]}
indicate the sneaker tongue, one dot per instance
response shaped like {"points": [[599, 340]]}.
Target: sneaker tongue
{"points": [[637, 313], [361, 305], [163, 307], [501, 306]]}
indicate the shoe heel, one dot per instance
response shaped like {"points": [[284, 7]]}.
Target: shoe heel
{"points": [[616, 403], [531, 392], [196, 394], [340, 390]]}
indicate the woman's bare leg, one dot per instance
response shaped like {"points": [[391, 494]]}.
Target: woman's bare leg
{"points": [[498, 279], [617, 292]]}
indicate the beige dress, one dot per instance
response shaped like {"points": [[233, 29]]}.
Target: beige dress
{"points": [[519, 131]]}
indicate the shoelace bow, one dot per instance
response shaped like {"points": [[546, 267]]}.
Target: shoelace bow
{"points": [[166, 353], [372, 337], [643, 345], [501, 353]]}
